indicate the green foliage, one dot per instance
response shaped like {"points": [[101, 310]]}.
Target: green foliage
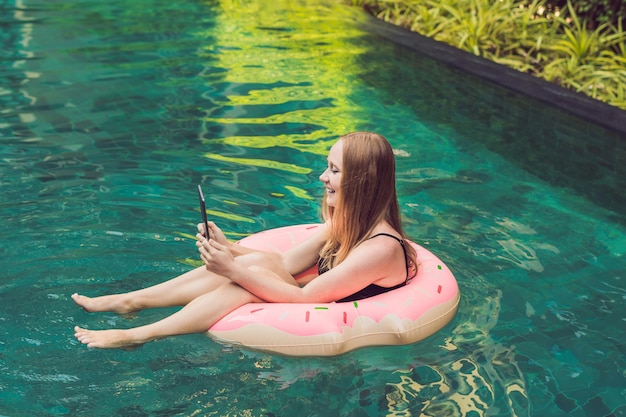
{"points": [[533, 37], [585, 60], [594, 12]]}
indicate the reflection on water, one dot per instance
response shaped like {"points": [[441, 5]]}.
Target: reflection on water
{"points": [[287, 85], [460, 385], [470, 373], [112, 112]]}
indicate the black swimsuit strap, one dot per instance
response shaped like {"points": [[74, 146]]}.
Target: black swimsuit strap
{"points": [[401, 241], [321, 270], [387, 234]]}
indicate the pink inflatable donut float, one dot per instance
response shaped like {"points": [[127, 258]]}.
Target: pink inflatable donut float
{"points": [[402, 316]]}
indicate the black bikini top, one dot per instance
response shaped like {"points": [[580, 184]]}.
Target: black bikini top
{"points": [[372, 289]]}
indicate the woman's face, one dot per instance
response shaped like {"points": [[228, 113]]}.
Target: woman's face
{"points": [[331, 177]]}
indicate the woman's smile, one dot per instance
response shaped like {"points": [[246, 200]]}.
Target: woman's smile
{"points": [[331, 177]]}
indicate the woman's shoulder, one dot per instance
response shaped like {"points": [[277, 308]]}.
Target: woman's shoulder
{"points": [[384, 229], [372, 256], [385, 239]]}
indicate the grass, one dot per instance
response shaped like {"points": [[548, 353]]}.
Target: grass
{"points": [[555, 45]]}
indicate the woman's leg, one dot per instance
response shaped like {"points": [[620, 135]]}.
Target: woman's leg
{"points": [[177, 291], [196, 317], [180, 290]]}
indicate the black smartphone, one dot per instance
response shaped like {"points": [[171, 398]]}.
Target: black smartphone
{"points": [[203, 211]]}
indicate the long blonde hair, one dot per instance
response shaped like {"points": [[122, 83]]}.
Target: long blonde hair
{"points": [[367, 196]]}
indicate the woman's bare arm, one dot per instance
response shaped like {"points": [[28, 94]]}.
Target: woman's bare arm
{"points": [[366, 264], [296, 260], [305, 254]]}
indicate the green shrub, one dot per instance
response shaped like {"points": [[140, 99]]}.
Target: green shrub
{"points": [[588, 61], [594, 12], [534, 37]]}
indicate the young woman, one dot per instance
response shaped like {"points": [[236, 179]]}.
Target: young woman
{"points": [[360, 252]]}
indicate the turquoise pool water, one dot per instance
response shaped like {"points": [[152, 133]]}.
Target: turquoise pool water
{"points": [[110, 113]]}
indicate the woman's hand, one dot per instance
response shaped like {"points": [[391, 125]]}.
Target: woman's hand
{"points": [[216, 256], [215, 232]]}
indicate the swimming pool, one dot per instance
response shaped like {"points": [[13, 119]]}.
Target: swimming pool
{"points": [[112, 112]]}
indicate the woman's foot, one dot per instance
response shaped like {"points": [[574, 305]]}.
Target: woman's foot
{"points": [[115, 303], [107, 339]]}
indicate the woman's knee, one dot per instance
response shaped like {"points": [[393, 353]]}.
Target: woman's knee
{"points": [[265, 260], [234, 291], [271, 274]]}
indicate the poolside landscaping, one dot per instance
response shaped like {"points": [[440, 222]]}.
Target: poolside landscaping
{"points": [[579, 44]]}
